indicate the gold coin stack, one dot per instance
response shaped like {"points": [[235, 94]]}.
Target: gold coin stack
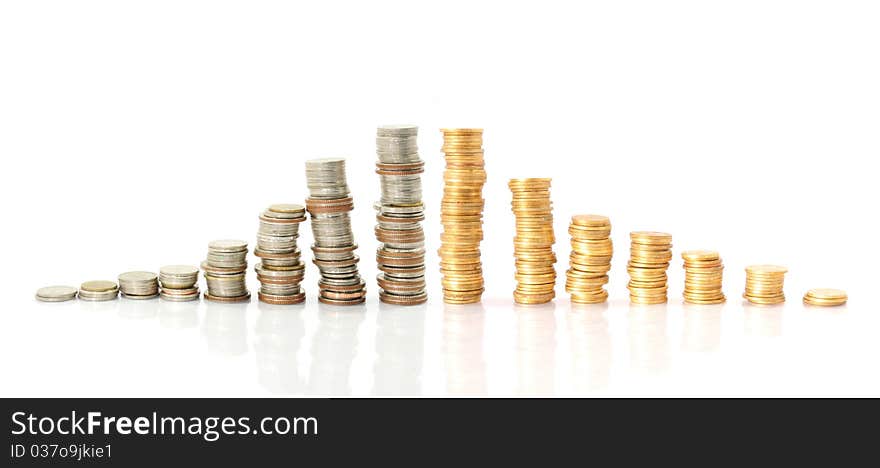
{"points": [[533, 244], [590, 260], [825, 297], [764, 284], [650, 254], [461, 213], [703, 274]]}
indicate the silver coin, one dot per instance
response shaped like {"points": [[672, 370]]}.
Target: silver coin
{"points": [[56, 293]]}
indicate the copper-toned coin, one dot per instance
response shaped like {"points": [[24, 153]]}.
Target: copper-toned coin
{"points": [[242, 298]]}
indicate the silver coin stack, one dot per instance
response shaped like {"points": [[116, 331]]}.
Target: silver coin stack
{"points": [[329, 206], [98, 290], [281, 270], [399, 213], [179, 283], [139, 285], [56, 294], [225, 270]]}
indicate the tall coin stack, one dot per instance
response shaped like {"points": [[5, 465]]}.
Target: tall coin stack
{"points": [[281, 269], [329, 206], [703, 274], [461, 213], [225, 270], [401, 253], [765, 284], [650, 254], [590, 260], [179, 283], [533, 244]]}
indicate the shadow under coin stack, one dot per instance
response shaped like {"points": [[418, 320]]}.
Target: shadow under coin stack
{"points": [[139, 285], [401, 253], [281, 270], [590, 260], [329, 205], [179, 283], [533, 244], [225, 270], [650, 254], [100, 290], [703, 275], [765, 284], [461, 213]]}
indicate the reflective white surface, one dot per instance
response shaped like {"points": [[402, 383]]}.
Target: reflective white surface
{"points": [[159, 348]]}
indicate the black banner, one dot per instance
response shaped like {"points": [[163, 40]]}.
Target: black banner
{"points": [[145, 432]]}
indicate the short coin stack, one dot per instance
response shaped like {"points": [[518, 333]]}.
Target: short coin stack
{"points": [[703, 274], [178, 283], [461, 213], [590, 260], [56, 293], [765, 284], [139, 285], [401, 253], [281, 270], [825, 297], [98, 290], [650, 254], [533, 244], [329, 205], [225, 270]]}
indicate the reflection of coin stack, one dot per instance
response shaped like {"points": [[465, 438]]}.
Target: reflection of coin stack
{"points": [[590, 260], [225, 270], [139, 285], [650, 254], [179, 283], [533, 244], [401, 252], [329, 205], [465, 363], [703, 272], [764, 284], [281, 269], [461, 213]]}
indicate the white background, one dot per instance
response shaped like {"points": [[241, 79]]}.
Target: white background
{"points": [[132, 133]]}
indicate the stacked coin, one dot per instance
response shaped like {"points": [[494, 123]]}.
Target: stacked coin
{"points": [[533, 244], [99, 290], [399, 213], [178, 283], [764, 284], [703, 274], [225, 270], [139, 285], [650, 254], [825, 297], [590, 260], [329, 205], [461, 213], [281, 270], [56, 293]]}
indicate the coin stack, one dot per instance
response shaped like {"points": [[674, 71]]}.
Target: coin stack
{"points": [[533, 244], [139, 285], [399, 213], [56, 293], [99, 290], [178, 283], [461, 213], [281, 270], [225, 270], [329, 205], [764, 284], [650, 254], [825, 297], [703, 274], [590, 260]]}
